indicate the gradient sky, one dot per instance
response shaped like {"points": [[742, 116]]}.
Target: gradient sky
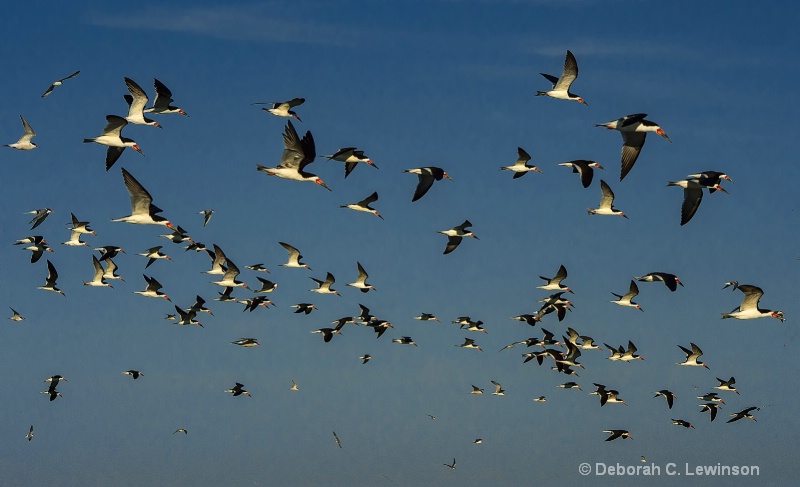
{"points": [[413, 84]]}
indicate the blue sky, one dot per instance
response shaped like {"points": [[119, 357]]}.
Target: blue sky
{"points": [[413, 84]]}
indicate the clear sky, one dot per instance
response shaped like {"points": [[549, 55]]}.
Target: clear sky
{"points": [[436, 83]]}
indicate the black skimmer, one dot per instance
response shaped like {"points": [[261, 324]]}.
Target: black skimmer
{"points": [[530, 319], [110, 271], [39, 216], [745, 413], [351, 157], [630, 354], [109, 252], [206, 216], [570, 385], [54, 380], [143, 211], [692, 356], [218, 260], [606, 202], [153, 254], [498, 389], [52, 393], [617, 434], [336, 439], [469, 343], [680, 422], [521, 167], [294, 257], [50, 282], [711, 397], [267, 286], [162, 103], [670, 280], [252, 303], [15, 316], [668, 395], [456, 234], [561, 85], [634, 129], [426, 317], [75, 240], [58, 83], [327, 333], [727, 385], [229, 278], [29, 436], [196, 246], [199, 306], [361, 281], [306, 308], [283, 108], [38, 247], [474, 326], [257, 268], [554, 283], [178, 235], [363, 205], [477, 441], [98, 279], [297, 154], [24, 142], [112, 137], [134, 373], [181, 430], [584, 169], [225, 296], [476, 390], [81, 227], [711, 408], [247, 342], [692, 196], [187, 317], [325, 287], [540, 399], [365, 358], [238, 390], [452, 466], [152, 290], [294, 386], [626, 299], [137, 100], [710, 179], [749, 309], [427, 175], [404, 341]]}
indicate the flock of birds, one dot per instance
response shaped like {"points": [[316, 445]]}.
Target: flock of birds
{"points": [[299, 152]]}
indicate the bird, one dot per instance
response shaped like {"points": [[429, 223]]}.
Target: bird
{"points": [[476, 390], [712, 397], [554, 283], [626, 299], [29, 436], [58, 83], [294, 386], [75, 239], [98, 279], [178, 235], [54, 380], [153, 254], [668, 395], [749, 309], [218, 260], [325, 287], [24, 142], [137, 100], [199, 306], [109, 252], [297, 154], [206, 216], [404, 341], [361, 280], [50, 282], [452, 466], [692, 356], [257, 268], [187, 317], [606, 202], [727, 385], [53, 393], [266, 285], [306, 308], [162, 103], [365, 358], [39, 216], [427, 175], [521, 167], [181, 430], [15, 316], [630, 354], [540, 399], [710, 179], [283, 108], [585, 170], [456, 234], [38, 247], [152, 289], [327, 333], [570, 385], [470, 343], [134, 373], [247, 342], [363, 205], [617, 434], [225, 295], [336, 438], [112, 137], [294, 257], [561, 85], [81, 227], [478, 441], [680, 422], [745, 413], [711, 408], [498, 389], [229, 278], [634, 129], [692, 196], [669, 280], [238, 390], [143, 211], [351, 157], [110, 271]]}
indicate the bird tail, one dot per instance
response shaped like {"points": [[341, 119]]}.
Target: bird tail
{"points": [[86, 141], [541, 93]]}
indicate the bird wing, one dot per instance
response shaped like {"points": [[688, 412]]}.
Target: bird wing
{"points": [[141, 200], [139, 98], [163, 95], [752, 295], [114, 125], [607, 196], [425, 182], [523, 158], [452, 243], [692, 196], [29, 133], [569, 74], [632, 143]]}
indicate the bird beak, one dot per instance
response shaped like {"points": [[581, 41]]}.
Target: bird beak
{"points": [[322, 183], [295, 116], [448, 177], [138, 149], [581, 100], [720, 188], [369, 161], [663, 134]]}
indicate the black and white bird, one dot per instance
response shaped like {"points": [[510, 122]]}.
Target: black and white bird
{"points": [[113, 139], [749, 309], [521, 167], [39, 217], [351, 157], [58, 83], [283, 108], [456, 234], [237, 390], [625, 300], [50, 282], [297, 154], [363, 205], [634, 129], [137, 100], [606, 202], [669, 280], [585, 170], [163, 103], [561, 85], [426, 175], [24, 142], [143, 211], [361, 280]]}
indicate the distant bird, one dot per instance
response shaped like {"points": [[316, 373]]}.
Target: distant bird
{"points": [[427, 175], [365, 358], [306, 308], [680, 422], [134, 373], [153, 289], [570, 385], [670, 280], [266, 285], [584, 169], [187, 317], [206, 216], [39, 216], [218, 260], [29, 436], [692, 196], [297, 154], [325, 287], [554, 283], [143, 211], [469, 343], [426, 317], [561, 85], [81, 227], [452, 466], [745, 413], [24, 142], [199, 306], [361, 280], [498, 389], [153, 254], [58, 83], [363, 205], [238, 390], [606, 202], [294, 386], [178, 235], [634, 129], [53, 393], [109, 252], [225, 296], [711, 397], [478, 441], [476, 390], [617, 434], [327, 333], [112, 137], [283, 108], [54, 380], [181, 430], [521, 167], [247, 342], [710, 179], [15, 316], [162, 105], [456, 234], [711, 408], [75, 240], [692, 356], [294, 257], [257, 268], [336, 438], [38, 247], [229, 278], [137, 100], [50, 282], [540, 399], [351, 157], [98, 278], [626, 299], [749, 309], [727, 385], [668, 395], [110, 271], [404, 341], [630, 354]]}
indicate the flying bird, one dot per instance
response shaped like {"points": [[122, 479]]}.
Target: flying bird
{"points": [[153, 254], [585, 170], [238, 390], [617, 434], [456, 234], [162, 103], [427, 175], [634, 129], [521, 167], [745, 413], [206, 216], [39, 216], [749, 309], [452, 466], [247, 342], [361, 281], [15, 316], [297, 154], [606, 202], [626, 299], [50, 282], [561, 85], [325, 287], [134, 373], [692, 196], [668, 395], [365, 358], [336, 438], [669, 280], [137, 100], [29, 436], [294, 257], [98, 278], [283, 108], [363, 205], [554, 283], [24, 142], [58, 83], [181, 430], [153, 289], [143, 211], [112, 137], [351, 157]]}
